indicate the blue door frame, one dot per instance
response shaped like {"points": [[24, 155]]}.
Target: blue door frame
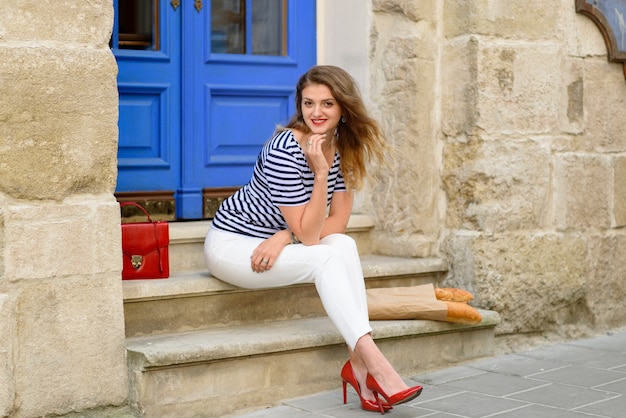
{"points": [[206, 113]]}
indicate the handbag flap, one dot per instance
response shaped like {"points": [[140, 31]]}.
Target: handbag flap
{"points": [[144, 237]]}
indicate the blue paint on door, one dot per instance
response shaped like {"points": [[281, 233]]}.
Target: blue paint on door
{"points": [[194, 117]]}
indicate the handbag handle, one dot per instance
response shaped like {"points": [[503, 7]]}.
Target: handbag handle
{"points": [[156, 237], [122, 204]]}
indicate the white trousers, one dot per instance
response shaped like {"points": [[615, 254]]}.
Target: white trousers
{"points": [[334, 266]]}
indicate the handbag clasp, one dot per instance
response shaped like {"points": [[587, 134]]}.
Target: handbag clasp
{"points": [[136, 261]]}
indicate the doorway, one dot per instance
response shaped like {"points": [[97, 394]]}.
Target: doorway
{"points": [[202, 85]]}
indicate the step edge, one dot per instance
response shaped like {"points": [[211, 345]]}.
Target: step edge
{"points": [[192, 347], [196, 283], [195, 231]]}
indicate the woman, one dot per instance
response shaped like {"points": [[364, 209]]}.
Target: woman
{"points": [[287, 225]]}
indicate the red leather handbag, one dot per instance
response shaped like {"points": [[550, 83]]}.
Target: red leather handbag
{"points": [[145, 248]]}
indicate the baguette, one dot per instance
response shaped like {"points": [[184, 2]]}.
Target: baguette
{"points": [[450, 294], [462, 313]]}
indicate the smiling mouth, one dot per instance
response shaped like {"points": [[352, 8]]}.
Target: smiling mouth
{"points": [[318, 121]]}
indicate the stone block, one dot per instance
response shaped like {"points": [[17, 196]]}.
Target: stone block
{"points": [[7, 335], [509, 88], [536, 282], [71, 345], [582, 191], [521, 19], [519, 87], [403, 200], [2, 239], [619, 192], [412, 11], [58, 119], [66, 21], [605, 105], [497, 186], [459, 90], [606, 286], [80, 237]]}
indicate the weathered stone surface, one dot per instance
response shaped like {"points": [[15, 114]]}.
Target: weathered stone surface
{"points": [[536, 282], [413, 11], [582, 190], [460, 91], [497, 185], [62, 329], [519, 87], [58, 107], [71, 343], [606, 286], [533, 172], [534, 19], [65, 21], [7, 337], [78, 237], [605, 102], [619, 191], [404, 197]]}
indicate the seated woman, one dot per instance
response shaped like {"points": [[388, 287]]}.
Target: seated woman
{"points": [[287, 225]]}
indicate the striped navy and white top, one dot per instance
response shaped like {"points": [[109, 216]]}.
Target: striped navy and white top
{"points": [[281, 177]]}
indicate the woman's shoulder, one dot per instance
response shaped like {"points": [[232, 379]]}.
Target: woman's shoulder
{"points": [[284, 139]]}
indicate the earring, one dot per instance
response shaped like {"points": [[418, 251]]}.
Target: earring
{"points": [[343, 119]]}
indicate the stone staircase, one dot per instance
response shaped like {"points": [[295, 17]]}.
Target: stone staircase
{"points": [[198, 347]]}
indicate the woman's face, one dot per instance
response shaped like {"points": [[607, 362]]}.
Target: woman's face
{"points": [[320, 110]]}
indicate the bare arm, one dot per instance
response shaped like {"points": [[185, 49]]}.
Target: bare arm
{"points": [[310, 230]]}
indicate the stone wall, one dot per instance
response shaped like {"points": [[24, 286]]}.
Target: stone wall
{"points": [[62, 328], [510, 128]]}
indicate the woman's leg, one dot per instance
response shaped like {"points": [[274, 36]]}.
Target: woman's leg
{"points": [[333, 266], [367, 358]]}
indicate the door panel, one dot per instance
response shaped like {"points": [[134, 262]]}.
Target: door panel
{"points": [[149, 62]]}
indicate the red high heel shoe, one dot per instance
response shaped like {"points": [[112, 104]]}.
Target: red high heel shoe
{"points": [[347, 376], [395, 399]]}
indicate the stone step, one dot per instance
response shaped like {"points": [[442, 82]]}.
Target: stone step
{"points": [[195, 300], [200, 347], [187, 241], [221, 371]]}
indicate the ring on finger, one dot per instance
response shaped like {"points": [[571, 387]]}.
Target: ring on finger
{"points": [[309, 143], [264, 261]]}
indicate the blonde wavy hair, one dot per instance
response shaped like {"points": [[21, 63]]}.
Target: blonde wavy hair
{"points": [[360, 137]]}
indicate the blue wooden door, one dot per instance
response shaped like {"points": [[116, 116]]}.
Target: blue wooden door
{"points": [[196, 108]]}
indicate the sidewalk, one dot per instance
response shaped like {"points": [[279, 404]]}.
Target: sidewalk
{"points": [[576, 379]]}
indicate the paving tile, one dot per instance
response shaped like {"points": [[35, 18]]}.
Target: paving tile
{"points": [[564, 353], [614, 341], [607, 360], [431, 392], [447, 375], [579, 379], [581, 376], [494, 384], [540, 411], [429, 414], [405, 411], [614, 408], [472, 405], [616, 387], [562, 396], [324, 400], [282, 411], [517, 365]]}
